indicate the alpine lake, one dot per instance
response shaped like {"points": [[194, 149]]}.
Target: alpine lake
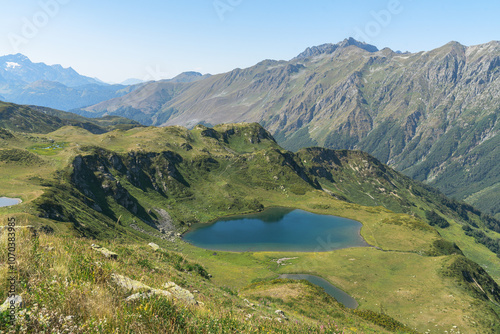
{"points": [[5, 201], [282, 230]]}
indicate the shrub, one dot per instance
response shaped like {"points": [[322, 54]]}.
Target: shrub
{"points": [[435, 219]]}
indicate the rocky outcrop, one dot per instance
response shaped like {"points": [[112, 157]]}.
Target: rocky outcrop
{"points": [[143, 170], [171, 290], [104, 251], [148, 294], [128, 284], [415, 111], [91, 175], [165, 223], [329, 48], [179, 293], [169, 236], [97, 176], [154, 246]]}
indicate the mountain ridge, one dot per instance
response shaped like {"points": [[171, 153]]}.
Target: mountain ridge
{"points": [[405, 109], [21, 68], [329, 48], [25, 82], [35, 119]]}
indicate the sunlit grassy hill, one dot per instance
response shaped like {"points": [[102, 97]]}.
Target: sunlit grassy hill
{"points": [[125, 188]]}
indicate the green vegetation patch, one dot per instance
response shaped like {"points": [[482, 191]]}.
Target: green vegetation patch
{"points": [[20, 157], [473, 277], [48, 149]]}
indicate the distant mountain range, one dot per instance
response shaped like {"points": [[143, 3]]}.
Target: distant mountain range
{"points": [[432, 115], [35, 119], [25, 82], [131, 81], [18, 68]]}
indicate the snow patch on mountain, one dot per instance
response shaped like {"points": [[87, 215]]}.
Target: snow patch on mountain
{"points": [[11, 64]]}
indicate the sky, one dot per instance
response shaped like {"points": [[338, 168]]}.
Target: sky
{"points": [[158, 39]]}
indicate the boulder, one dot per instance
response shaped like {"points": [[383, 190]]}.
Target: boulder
{"points": [[106, 252], [180, 293], [154, 246], [172, 290], [17, 301], [128, 284], [281, 314], [148, 294]]}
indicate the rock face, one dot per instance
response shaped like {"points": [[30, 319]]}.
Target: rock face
{"points": [[165, 223], [97, 175], [433, 115], [87, 173], [155, 170], [329, 48]]}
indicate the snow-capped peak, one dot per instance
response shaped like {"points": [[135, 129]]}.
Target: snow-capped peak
{"points": [[11, 64]]}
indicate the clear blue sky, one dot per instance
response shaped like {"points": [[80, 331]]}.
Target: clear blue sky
{"points": [[116, 40]]}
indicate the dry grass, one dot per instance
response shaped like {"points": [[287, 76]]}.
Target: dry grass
{"points": [[66, 288]]}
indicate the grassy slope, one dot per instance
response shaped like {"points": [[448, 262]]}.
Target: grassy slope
{"points": [[62, 277], [247, 170], [357, 177], [34, 119]]}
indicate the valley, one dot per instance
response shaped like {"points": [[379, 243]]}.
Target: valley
{"points": [[431, 115], [234, 167], [127, 187]]}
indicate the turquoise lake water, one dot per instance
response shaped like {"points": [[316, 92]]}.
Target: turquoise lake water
{"points": [[277, 229]]}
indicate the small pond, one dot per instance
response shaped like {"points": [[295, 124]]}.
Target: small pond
{"points": [[333, 291], [5, 201], [277, 229]]}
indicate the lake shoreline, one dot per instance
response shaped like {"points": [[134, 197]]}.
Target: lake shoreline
{"points": [[277, 229], [340, 295], [7, 201]]}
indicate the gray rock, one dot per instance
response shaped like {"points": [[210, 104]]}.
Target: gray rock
{"points": [[165, 223], [172, 290], [104, 251], [15, 300], [281, 314], [148, 294], [180, 293], [128, 284], [154, 246]]}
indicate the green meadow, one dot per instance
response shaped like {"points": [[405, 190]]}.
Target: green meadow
{"points": [[95, 188]]}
